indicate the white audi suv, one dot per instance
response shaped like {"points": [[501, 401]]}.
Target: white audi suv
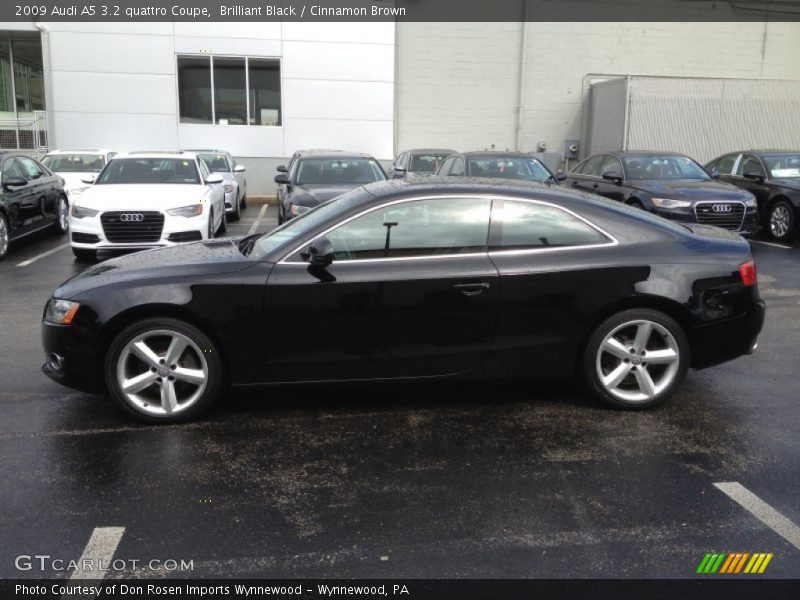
{"points": [[146, 200]]}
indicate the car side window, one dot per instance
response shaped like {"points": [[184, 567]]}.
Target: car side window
{"points": [[724, 166], [204, 171], [445, 168], [611, 163], [591, 167], [530, 225], [750, 164], [11, 169], [458, 166], [401, 160], [29, 168], [415, 228]]}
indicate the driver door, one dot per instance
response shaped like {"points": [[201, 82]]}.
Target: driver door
{"points": [[411, 292]]}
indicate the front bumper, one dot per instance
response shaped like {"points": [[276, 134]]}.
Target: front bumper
{"points": [[87, 233], [78, 365]]}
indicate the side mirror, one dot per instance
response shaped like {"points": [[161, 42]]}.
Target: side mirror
{"points": [[10, 182], [714, 174], [282, 179], [88, 179], [215, 178], [560, 175], [612, 176], [757, 177], [320, 253], [282, 169], [239, 169]]}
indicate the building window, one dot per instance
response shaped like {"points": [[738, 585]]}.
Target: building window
{"points": [[229, 90]]}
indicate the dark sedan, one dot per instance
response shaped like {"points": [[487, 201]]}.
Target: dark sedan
{"points": [[32, 198], [318, 176], [667, 184], [773, 177], [496, 165], [402, 280], [420, 162]]}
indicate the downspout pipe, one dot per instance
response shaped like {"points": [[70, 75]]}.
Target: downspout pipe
{"points": [[48, 82], [523, 51]]}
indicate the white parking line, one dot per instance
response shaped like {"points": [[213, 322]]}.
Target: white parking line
{"points": [[30, 261], [763, 511], [99, 549], [257, 222], [773, 244]]}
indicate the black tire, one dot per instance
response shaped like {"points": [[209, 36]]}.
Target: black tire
{"points": [[85, 255], [236, 214], [62, 221], [214, 380], [5, 236], [210, 231], [244, 202], [781, 221], [223, 227], [592, 360]]}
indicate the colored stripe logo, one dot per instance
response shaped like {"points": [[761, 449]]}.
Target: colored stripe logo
{"points": [[734, 563]]}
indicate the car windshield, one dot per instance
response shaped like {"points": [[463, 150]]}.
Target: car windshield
{"points": [[305, 223], [663, 167], [426, 163], [783, 165], [335, 171], [216, 163], [510, 167], [74, 163], [149, 170]]}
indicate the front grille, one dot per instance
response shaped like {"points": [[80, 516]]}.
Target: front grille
{"points": [[84, 238], [728, 215], [132, 227]]}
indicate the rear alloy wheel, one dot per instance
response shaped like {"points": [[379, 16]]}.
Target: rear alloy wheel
{"points": [[636, 359], [62, 215], [781, 221], [4, 236], [163, 371]]}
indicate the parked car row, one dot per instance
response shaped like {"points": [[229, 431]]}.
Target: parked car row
{"points": [[120, 201]]}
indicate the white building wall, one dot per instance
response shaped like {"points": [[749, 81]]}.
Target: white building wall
{"points": [[458, 82], [115, 85]]}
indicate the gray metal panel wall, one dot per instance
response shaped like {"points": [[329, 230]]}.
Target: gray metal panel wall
{"points": [[605, 123], [708, 117]]}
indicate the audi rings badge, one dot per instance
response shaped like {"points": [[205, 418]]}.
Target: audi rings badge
{"points": [[721, 208], [131, 217]]}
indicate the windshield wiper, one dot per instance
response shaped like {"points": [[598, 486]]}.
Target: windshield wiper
{"points": [[247, 243]]}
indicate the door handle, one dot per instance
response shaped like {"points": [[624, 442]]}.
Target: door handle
{"points": [[595, 186], [472, 289]]}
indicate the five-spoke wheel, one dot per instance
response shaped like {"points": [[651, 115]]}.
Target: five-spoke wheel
{"points": [[636, 358], [781, 220], [163, 370]]}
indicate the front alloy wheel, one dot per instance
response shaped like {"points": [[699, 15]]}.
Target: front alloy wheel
{"points": [[4, 236], [62, 215], [781, 220], [636, 359], [163, 370]]}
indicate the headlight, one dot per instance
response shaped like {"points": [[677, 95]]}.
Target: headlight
{"points": [[60, 312], [228, 188], [80, 212], [751, 202], [296, 209], [192, 210], [670, 203], [76, 191]]}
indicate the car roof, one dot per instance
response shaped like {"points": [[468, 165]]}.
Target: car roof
{"points": [[157, 154], [80, 151], [206, 150], [627, 153], [495, 154], [336, 154], [430, 150], [299, 153]]}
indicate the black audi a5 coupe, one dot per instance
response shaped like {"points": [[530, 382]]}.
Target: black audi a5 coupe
{"points": [[318, 176], [419, 162], [32, 198], [496, 165], [409, 280], [773, 177], [667, 184]]}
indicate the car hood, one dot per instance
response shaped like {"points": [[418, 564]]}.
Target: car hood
{"points": [[789, 183], [212, 257], [74, 180], [141, 196], [313, 194], [693, 190]]}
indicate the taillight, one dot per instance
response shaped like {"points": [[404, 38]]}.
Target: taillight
{"points": [[747, 271]]}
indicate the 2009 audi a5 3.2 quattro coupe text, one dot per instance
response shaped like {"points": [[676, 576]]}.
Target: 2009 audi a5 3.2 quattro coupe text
{"points": [[413, 279]]}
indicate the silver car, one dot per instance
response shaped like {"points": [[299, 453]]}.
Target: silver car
{"points": [[235, 183]]}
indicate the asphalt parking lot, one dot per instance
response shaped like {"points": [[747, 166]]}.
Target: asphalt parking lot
{"points": [[404, 480]]}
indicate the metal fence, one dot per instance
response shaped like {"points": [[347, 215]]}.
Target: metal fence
{"points": [[701, 117], [25, 133]]}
